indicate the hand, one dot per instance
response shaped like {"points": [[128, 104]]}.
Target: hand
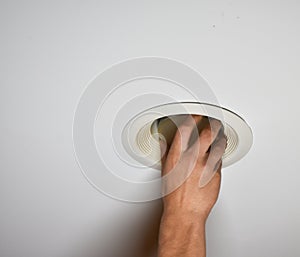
{"points": [[187, 208], [206, 155]]}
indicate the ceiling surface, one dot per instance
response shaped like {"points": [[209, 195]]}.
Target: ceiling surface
{"points": [[249, 52]]}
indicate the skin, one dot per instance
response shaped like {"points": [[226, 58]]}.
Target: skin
{"points": [[182, 227]]}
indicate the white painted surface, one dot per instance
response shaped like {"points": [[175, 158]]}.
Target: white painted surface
{"points": [[248, 50]]}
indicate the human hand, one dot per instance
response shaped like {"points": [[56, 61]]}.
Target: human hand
{"points": [[200, 162], [182, 228]]}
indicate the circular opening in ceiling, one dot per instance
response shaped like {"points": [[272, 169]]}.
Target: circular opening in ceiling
{"points": [[141, 134]]}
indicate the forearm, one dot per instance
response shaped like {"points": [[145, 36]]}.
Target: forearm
{"points": [[182, 235]]}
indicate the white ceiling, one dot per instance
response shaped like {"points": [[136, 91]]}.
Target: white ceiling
{"points": [[248, 50]]}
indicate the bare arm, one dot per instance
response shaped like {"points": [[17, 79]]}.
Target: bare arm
{"points": [[182, 228]]}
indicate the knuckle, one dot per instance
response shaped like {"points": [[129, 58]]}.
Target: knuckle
{"points": [[206, 135]]}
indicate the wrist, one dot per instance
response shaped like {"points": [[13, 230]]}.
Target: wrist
{"points": [[186, 214], [183, 220]]}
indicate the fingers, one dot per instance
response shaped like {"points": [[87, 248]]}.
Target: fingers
{"points": [[217, 150], [183, 133], [214, 160], [207, 136], [207, 149]]}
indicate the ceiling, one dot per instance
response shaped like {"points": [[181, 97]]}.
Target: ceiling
{"points": [[249, 52]]}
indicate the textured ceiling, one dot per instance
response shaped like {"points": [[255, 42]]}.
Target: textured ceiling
{"points": [[249, 52]]}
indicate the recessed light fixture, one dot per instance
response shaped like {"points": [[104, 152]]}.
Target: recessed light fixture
{"points": [[121, 113], [140, 135]]}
